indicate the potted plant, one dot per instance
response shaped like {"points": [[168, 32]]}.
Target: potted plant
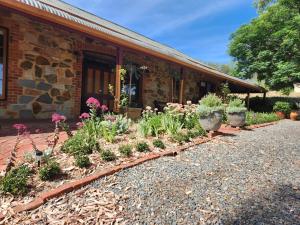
{"points": [[295, 113], [282, 109], [236, 113], [210, 111]]}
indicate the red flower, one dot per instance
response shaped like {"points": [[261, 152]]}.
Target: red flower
{"points": [[93, 103], [104, 108], [79, 125], [57, 118], [21, 128], [84, 116]]}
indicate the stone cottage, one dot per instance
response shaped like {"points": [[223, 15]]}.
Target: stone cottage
{"points": [[54, 56]]}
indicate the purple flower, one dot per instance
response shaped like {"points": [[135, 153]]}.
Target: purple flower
{"points": [[79, 125], [57, 118], [93, 103], [84, 116]]}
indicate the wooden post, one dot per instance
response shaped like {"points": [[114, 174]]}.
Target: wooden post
{"points": [[119, 63], [248, 100], [181, 90], [264, 97]]}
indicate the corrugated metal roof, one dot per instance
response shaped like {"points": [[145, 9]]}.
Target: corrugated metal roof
{"points": [[79, 16]]}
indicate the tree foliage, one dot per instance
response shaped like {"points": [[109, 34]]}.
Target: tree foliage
{"points": [[270, 45]]}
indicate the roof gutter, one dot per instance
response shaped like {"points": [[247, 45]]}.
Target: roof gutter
{"points": [[44, 15]]}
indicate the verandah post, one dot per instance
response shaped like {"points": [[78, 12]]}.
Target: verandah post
{"points": [[119, 63]]}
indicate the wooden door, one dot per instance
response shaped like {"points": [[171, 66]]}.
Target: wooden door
{"points": [[96, 80]]}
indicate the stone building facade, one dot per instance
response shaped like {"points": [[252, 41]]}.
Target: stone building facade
{"points": [[45, 70]]}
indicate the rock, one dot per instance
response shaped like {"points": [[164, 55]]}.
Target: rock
{"points": [[26, 65], [64, 65], [40, 60], [26, 114], [51, 78], [43, 86], [27, 83], [38, 71], [55, 92], [69, 73], [17, 107], [36, 107], [24, 99], [30, 57], [45, 98]]}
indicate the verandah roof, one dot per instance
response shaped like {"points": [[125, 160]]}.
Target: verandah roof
{"points": [[75, 18]]}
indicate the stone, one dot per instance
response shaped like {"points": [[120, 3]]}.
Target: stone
{"points": [[26, 65], [40, 60], [69, 87], [30, 57], [55, 92], [54, 64], [27, 83], [61, 98], [24, 99], [51, 78], [38, 71], [45, 98], [43, 86], [64, 65], [26, 114], [36, 107], [33, 92], [69, 73], [17, 107]]}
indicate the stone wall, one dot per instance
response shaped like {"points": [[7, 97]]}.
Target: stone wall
{"points": [[44, 68]]}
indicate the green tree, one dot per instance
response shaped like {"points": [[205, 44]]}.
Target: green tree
{"points": [[224, 68], [269, 46]]}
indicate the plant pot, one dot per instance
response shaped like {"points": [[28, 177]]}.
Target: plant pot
{"points": [[212, 122], [295, 115], [134, 113], [236, 119], [281, 115]]}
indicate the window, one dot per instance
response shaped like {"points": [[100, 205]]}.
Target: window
{"points": [[3, 54]]}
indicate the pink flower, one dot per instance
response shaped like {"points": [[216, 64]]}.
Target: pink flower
{"points": [[84, 116], [79, 125], [104, 108], [93, 103], [57, 118], [21, 128], [110, 118]]}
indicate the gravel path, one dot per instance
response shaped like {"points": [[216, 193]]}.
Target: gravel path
{"points": [[250, 178]]}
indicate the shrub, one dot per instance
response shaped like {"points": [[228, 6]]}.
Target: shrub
{"points": [[191, 120], [49, 171], [142, 147], [197, 132], [236, 106], [259, 118], [108, 155], [80, 144], [122, 124], [209, 104], [109, 131], [15, 181], [284, 107], [180, 138], [171, 124], [82, 161], [159, 144], [125, 150], [151, 125]]}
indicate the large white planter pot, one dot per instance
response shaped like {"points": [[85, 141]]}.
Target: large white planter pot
{"points": [[236, 119], [212, 122]]}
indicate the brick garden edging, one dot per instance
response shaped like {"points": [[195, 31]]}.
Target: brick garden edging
{"points": [[74, 185]]}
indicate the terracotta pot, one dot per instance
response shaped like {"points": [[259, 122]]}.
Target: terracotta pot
{"points": [[134, 113], [212, 122], [237, 119], [281, 115], [295, 115]]}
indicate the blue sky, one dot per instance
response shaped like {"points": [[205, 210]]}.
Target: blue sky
{"points": [[199, 28]]}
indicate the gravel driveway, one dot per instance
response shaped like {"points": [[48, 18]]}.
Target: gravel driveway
{"points": [[250, 178]]}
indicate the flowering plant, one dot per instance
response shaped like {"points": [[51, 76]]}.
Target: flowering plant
{"points": [[93, 103], [60, 122], [84, 116]]}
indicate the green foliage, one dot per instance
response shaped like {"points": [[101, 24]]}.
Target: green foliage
{"points": [[159, 144], [122, 124], [125, 150], [284, 107], [236, 106], [191, 120], [80, 144], [224, 88], [49, 171], [15, 181], [108, 155], [270, 45], [151, 125], [171, 124], [259, 118], [142, 147], [108, 131], [82, 161], [180, 138], [209, 104]]}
